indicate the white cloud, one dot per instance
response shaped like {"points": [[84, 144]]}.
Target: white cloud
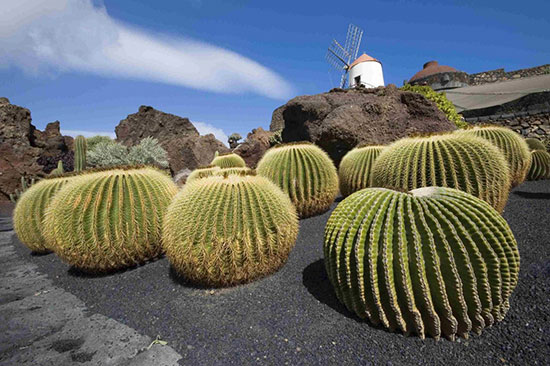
{"points": [[75, 133], [51, 36], [205, 129]]}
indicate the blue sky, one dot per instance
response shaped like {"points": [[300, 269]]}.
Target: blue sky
{"points": [[50, 63]]}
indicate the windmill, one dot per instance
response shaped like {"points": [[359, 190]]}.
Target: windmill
{"points": [[340, 57]]}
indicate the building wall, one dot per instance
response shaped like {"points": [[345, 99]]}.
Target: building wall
{"points": [[371, 74], [444, 80], [529, 124], [493, 76]]}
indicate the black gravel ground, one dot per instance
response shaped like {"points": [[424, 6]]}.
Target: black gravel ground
{"points": [[294, 318]]}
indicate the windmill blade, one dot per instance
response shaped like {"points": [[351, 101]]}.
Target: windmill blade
{"points": [[353, 40], [336, 61]]}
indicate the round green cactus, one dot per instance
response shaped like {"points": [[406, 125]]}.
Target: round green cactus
{"points": [[222, 231], [305, 173], [29, 212], [540, 165], [535, 144], [355, 169], [460, 161], [202, 173], [228, 161], [110, 219], [435, 261], [514, 147]]}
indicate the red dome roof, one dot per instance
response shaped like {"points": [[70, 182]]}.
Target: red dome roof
{"points": [[431, 68], [363, 58]]}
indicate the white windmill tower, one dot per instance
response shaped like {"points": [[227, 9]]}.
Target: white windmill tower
{"points": [[365, 70]]}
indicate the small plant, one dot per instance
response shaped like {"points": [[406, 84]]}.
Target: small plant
{"points": [[540, 165], [223, 231], [203, 172], [228, 161], [25, 184], [148, 152], [535, 144], [233, 140], [276, 138], [355, 169], [107, 154], [434, 261], [79, 153], [94, 140], [304, 172], [59, 170]]}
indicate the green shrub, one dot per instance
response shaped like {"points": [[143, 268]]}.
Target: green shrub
{"points": [[434, 261], [228, 161], [222, 231], [355, 169], [147, 152], [107, 154], [540, 165], [94, 140]]}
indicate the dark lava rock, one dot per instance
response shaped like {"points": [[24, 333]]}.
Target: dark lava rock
{"points": [[341, 119], [192, 152], [254, 147]]}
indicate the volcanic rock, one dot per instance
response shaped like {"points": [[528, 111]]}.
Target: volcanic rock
{"points": [[192, 152], [254, 147]]}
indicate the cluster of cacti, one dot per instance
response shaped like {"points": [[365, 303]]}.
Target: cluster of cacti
{"points": [[25, 184], [540, 165], [79, 153], [434, 261], [535, 144], [228, 161], [355, 169], [29, 212], [222, 231], [203, 172], [110, 219], [460, 161], [59, 170], [305, 173], [512, 145]]}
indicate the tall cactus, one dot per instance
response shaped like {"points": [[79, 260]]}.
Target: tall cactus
{"points": [[460, 161], [110, 219], [355, 169], [305, 173], [79, 153], [514, 147], [222, 231], [30, 210], [434, 261], [540, 165], [228, 161]]}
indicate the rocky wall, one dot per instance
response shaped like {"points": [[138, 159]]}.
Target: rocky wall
{"points": [[529, 124], [493, 76]]}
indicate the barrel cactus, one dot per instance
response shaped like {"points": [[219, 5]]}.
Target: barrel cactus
{"points": [[540, 165], [228, 161], [237, 171], [222, 231], [305, 173], [80, 153], [535, 144], [460, 161], [203, 172], [514, 147], [355, 169], [434, 261], [30, 210], [110, 219]]}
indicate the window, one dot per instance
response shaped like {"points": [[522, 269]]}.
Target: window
{"points": [[357, 80]]}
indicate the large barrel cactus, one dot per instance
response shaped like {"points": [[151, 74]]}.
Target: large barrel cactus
{"points": [[355, 169], [109, 220], [434, 261], [29, 212], [514, 147], [237, 171], [222, 231], [540, 165], [203, 172], [228, 161], [305, 173], [460, 161]]}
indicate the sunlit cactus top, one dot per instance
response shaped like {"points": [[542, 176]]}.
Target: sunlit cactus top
{"points": [[202, 173], [228, 161]]}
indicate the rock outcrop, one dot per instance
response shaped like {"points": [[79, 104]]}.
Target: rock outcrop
{"points": [[192, 152], [254, 147], [339, 120]]}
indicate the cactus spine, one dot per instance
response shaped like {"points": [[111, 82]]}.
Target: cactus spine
{"points": [[222, 231], [237, 171], [110, 219], [79, 153], [202, 173], [513, 146], [228, 161], [434, 261], [30, 210], [355, 169], [540, 165], [305, 173], [460, 161]]}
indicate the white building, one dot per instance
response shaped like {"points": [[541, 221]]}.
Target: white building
{"points": [[366, 71]]}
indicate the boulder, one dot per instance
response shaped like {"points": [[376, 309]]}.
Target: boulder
{"points": [[341, 119], [254, 147], [192, 152]]}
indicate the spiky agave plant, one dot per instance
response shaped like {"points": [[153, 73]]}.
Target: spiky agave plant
{"points": [[435, 261], [460, 161], [514, 147], [229, 160], [110, 219], [540, 165], [535, 144], [203, 172], [222, 231], [354, 172], [305, 173], [30, 210]]}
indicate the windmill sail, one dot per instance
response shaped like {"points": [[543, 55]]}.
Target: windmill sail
{"points": [[340, 57]]}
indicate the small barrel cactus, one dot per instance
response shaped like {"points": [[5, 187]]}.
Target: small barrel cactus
{"points": [[30, 210], [305, 173], [535, 144], [435, 261], [460, 161], [110, 219], [355, 169], [222, 231], [514, 147], [540, 165], [228, 161], [79, 153], [203, 172], [237, 171]]}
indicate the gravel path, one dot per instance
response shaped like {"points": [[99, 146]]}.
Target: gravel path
{"points": [[294, 318]]}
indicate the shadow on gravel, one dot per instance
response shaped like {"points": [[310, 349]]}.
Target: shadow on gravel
{"points": [[41, 254], [75, 272], [533, 195], [180, 280], [315, 279]]}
